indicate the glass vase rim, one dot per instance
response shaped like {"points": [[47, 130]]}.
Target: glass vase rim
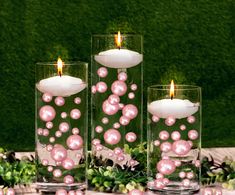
{"points": [[66, 63], [177, 87]]}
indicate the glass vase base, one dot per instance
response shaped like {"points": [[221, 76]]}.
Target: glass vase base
{"points": [[177, 189], [47, 188]]}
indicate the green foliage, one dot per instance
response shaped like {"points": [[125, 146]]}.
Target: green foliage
{"points": [[14, 171], [215, 172], [190, 41], [104, 176]]}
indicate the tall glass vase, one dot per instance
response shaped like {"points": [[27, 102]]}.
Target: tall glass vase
{"points": [[174, 138], [117, 127], [61, 125]]}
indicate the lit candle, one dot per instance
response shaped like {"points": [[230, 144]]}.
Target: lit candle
{"points": [[119, 58], [61, 85], [177, 108]]}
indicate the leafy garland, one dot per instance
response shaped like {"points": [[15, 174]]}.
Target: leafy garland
{"points": [[113, 179], [14, 171]]}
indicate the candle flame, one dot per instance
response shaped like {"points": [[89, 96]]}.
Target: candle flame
{"points": [[172, 89], [59, 66], [118, 39]]}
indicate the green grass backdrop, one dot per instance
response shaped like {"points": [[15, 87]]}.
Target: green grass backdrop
{"points": [[190, 41]]}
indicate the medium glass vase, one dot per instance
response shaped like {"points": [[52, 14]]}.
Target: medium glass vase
{"points": [[117, 129], [61, 125], [174, 138]]}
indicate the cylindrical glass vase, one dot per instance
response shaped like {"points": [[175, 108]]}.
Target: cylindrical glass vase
{"points": [[117, 81], [61, 125], [174, 139]]}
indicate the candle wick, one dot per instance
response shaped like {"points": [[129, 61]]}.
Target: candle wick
{"points": [[171, 97], [119, 47], [60, 73]]}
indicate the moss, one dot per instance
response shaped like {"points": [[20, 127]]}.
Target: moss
{"points": [[194, 38]]}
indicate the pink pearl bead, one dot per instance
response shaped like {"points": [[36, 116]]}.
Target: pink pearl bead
{"points": [[170, 121], [57, 173], [46, 97], [150, 184], [49, 125], [47, 113], [112, 136], [207, 191], [79, 192], [120, 158], [39, 131], [182, 175], [113, 99], [193, 134], [49, 147], [124, 120], [99, 129], [10, 191], [72, 192], [159, 176], [58, 134], [156, 143], [182, 127], [191, 119], [116, 125], [75, 131], [63, 115], [159, 184], [77, 100], [95, 142], [117, 151], [135, 192], [130, 111], [190, 143], [49, 168], [175, 135], [131, 95], [197, 163], [110, 154], [101, 87], [119, 88], [45, 162], [121, 106], [52, 139], [98, 147], [64, 127], [75, 114], [164, 135], [177, 163], [68, 179], [102, 72], [93, 89], [58, 153], [133, 87], [186, 182], [166, 181], [61, 192], [166, 167], [58, 163], [131, 137], [45, 132], [68, 164], [218, 191], [122, 76], [75, 142], [181, 147], [105, 120], [190, 175], [155, 119], [165, 147], [109, 109], [59, 101]]}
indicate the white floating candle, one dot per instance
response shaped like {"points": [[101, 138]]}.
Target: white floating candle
{"points": [[176, 108], [61, 86], [119, 58]]}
